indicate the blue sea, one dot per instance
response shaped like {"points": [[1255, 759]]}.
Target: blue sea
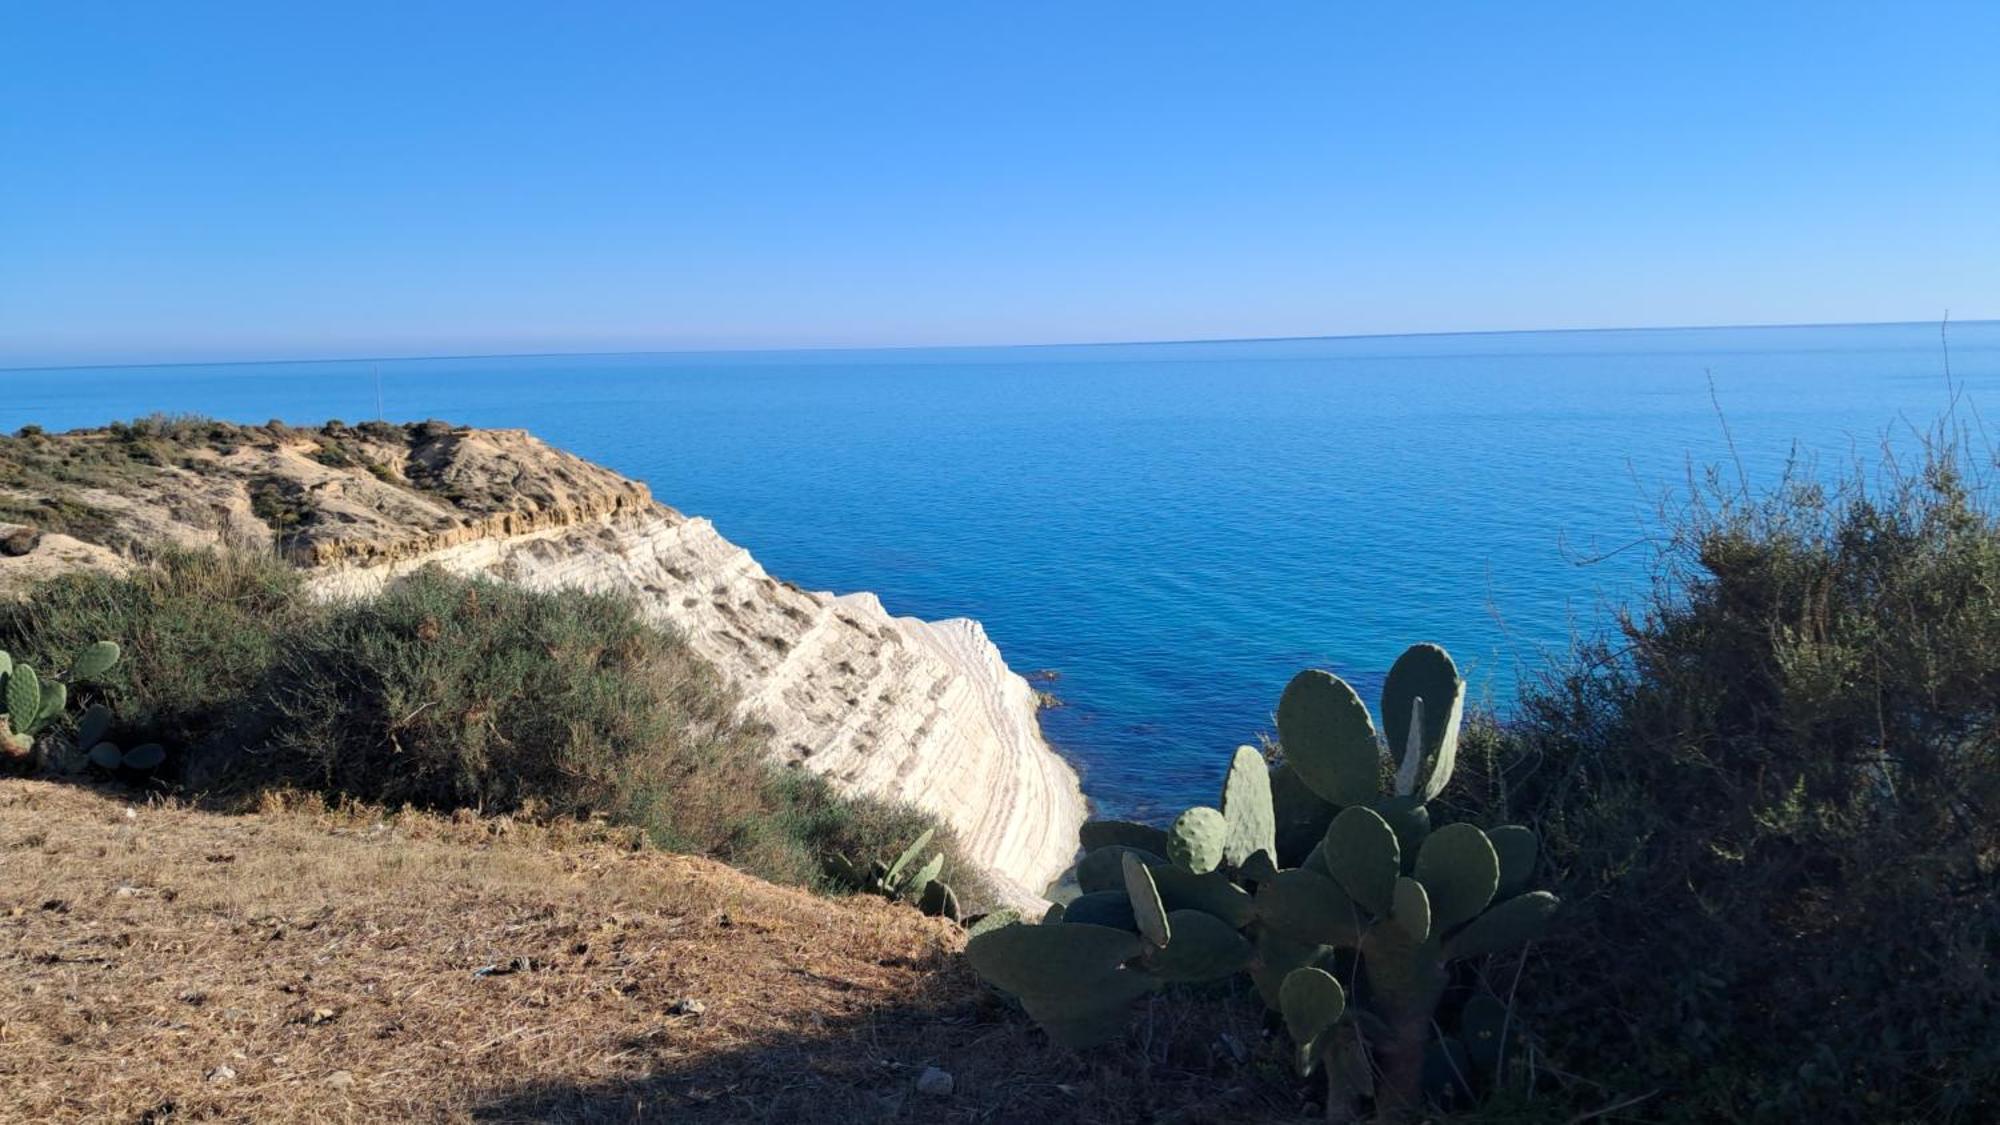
{"points": [[1173, 529]]}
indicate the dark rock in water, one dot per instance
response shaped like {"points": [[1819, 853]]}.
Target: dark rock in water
{"points": [[19, 542]]}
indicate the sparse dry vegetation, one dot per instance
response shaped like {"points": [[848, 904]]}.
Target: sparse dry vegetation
{"points": [[347, 963]]}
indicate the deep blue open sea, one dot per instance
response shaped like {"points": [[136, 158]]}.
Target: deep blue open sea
{"points": [[1175, 528]]}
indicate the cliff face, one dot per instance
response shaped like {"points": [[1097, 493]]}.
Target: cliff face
{"points": [[925, 712]]}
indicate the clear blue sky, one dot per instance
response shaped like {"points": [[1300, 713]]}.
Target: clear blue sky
{"points": [[202, 180]]}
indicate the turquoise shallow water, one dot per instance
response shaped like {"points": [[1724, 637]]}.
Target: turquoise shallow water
{"points": [[1175, 528]]}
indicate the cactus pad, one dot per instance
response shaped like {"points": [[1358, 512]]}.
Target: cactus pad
{"points": [[1102, 908], [1364, 856], [1302, 815], [1516, 846], [1203, 948], [94, 661], [24, 699], [1069, 957], [1413, 908], [1518, 920], [1312, 1003], [1070, 978], [939, 901], [1250, 821], [1095, 834], [1316, 860], [1194, 843], [1103, 869], [908, 857], [1092, 1026], [1147, 911], [93, 725], [1210, 893], [925, 875], [995, 920], [1460, 869], [1424, 672], [1328, 738]]}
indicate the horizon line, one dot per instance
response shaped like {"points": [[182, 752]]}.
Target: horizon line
{"points": [[1943, 323]]}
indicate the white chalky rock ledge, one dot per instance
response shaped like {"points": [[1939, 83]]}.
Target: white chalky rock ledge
{"points": [[925, 712]]}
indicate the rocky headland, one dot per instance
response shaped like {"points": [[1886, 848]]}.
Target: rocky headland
{"points": [[920, 711]]}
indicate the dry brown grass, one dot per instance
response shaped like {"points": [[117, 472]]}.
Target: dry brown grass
{"points": [[159, 963]]}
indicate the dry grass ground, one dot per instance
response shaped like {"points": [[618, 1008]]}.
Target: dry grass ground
{"points": [[162, 964]]}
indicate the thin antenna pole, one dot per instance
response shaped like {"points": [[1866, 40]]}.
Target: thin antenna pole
{"points": [[378, 393]]}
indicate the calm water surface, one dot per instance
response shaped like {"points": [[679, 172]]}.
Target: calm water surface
{"points": [[1175, 528]]}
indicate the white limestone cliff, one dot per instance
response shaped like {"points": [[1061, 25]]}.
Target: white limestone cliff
{"points": [[891, 707], [895, 707]]}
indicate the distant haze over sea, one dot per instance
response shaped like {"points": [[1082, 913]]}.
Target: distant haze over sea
{"points": [[1174, 528]]}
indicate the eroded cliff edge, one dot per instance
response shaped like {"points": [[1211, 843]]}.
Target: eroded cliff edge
{"points": [[925, 712]]}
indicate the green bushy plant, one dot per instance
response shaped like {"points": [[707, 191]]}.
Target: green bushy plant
{"points": [[1772, 795], [1358, 923], [444, 692], [451, 692], [199, 632]]}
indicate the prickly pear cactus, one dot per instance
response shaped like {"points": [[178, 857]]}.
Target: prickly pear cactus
{"points": [[31, 704], [1377, 897], [898, 881]]}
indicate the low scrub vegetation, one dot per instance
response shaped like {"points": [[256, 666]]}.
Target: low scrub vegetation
{"points": [[446, 692], [1772, 800]]}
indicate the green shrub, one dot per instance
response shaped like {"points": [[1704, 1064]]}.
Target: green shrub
{"points": [[1773, 799], [447, 693], [199, 633]]}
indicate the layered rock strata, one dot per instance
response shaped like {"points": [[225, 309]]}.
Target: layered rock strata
{"points": [[893, 707]]}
